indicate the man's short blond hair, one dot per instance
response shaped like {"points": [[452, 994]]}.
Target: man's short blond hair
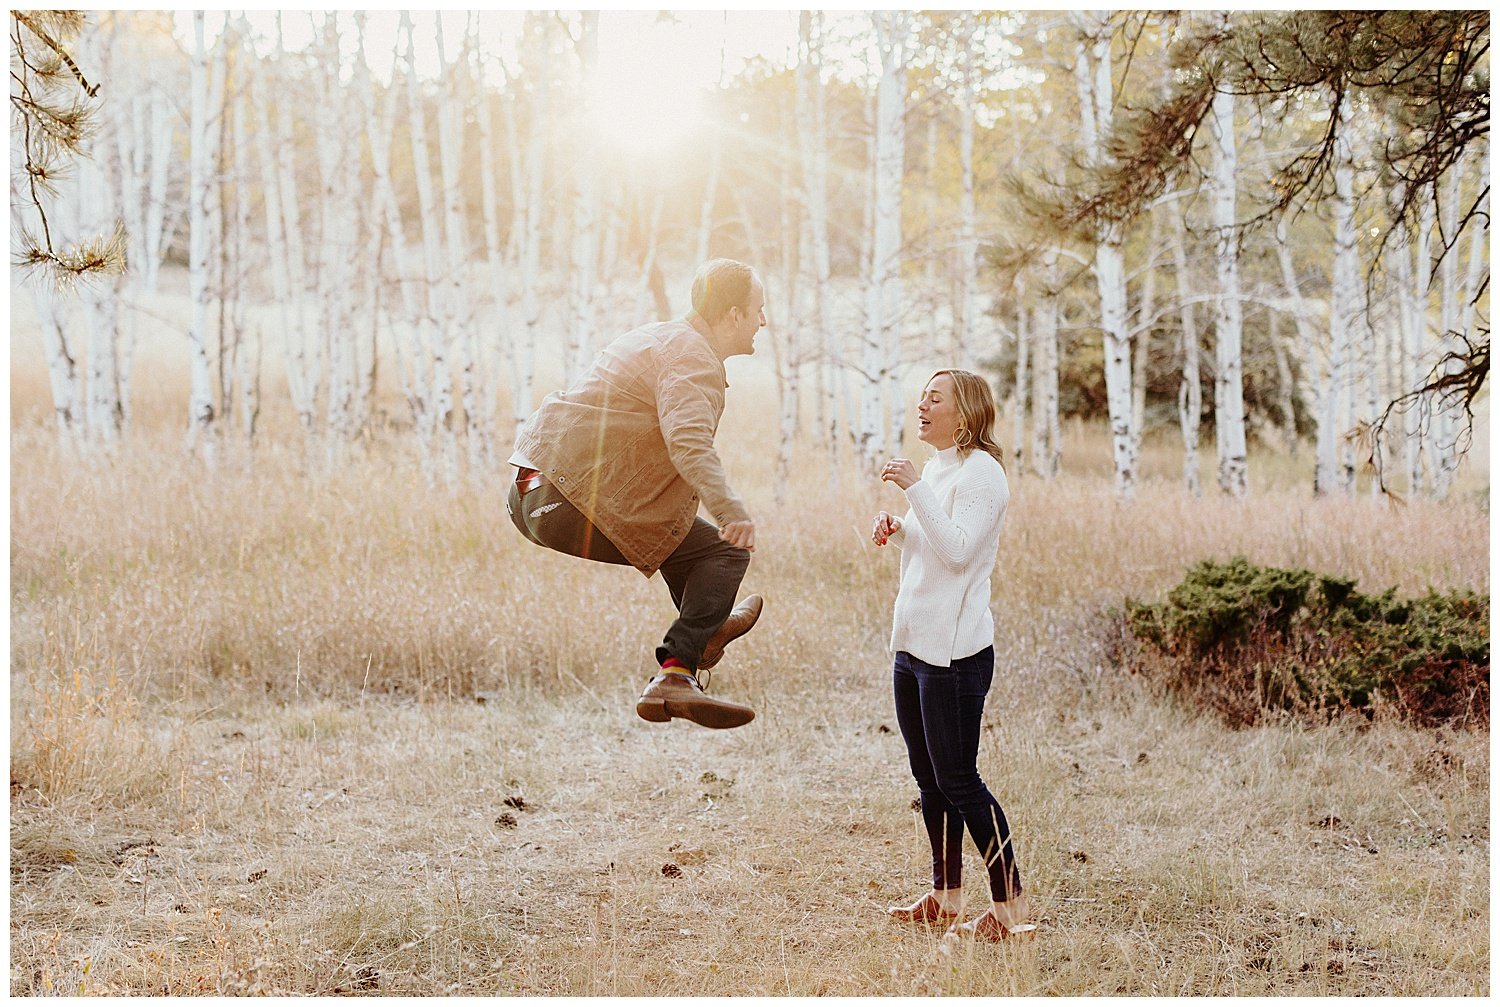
{"points": [[721, 284]]}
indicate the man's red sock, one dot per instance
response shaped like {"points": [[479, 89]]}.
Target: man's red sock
{"points": [[672, 664]]}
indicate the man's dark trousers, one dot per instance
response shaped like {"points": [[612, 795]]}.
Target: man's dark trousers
{"points": [[703, 573]]}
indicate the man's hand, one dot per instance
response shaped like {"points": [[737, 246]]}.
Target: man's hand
{"points": [[885, 527], [739, 533], [901, 472]]}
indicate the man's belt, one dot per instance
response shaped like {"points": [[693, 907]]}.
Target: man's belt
{"points": [[528, 480]]}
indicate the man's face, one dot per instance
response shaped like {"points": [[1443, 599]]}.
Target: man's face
{"points": [[748, 321]]}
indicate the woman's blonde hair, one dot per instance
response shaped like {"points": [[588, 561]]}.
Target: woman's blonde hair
{"points": [[976, 410]]}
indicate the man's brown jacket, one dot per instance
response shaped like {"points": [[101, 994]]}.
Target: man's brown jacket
{"points": [[631, 445]]}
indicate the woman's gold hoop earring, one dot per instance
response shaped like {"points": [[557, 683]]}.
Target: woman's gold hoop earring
{"points": [[962, 437]]}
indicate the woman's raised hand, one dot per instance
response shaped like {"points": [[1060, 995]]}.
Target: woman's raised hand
{"points": [[901, 472], [885, 527]]}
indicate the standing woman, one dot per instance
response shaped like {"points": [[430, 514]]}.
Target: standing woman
{"points": [[943, 638]]}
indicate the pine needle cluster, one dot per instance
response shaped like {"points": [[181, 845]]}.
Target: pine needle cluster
{"points": [[53, 110]]}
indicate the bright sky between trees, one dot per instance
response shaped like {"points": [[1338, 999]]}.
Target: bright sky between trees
{"points": [[653, 66]]}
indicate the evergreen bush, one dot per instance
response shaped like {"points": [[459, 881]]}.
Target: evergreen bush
{"points": [[1246, 639]]}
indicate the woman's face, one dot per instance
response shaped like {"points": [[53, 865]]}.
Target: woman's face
{"points": [[937, 413]]}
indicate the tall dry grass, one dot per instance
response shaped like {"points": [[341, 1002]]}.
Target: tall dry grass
{"points": [[248, 751]]}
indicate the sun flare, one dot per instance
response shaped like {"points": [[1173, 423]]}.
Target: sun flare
{"points": [[647, 87], [642, 109]]}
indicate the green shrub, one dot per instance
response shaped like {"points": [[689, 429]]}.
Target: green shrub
{"points": [[1247, 639]]}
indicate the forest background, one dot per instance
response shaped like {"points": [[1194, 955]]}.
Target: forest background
{"points": [[292, 711]]}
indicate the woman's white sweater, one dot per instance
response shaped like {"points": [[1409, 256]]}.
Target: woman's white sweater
{"points": [[948, 542]]}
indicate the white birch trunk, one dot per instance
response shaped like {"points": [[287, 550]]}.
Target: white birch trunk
{"points": [[202, 191], [496, 273], [586, 223], [337, 272], [1370, 365], [968, 243], [278, 256], [1141, 354], [1459, 309], [440, 393], [532, 216], [1096, 99], [1285, 383], [106, 415], [247, 377], [1229, 395], [132, 149], [451, 115], [649, 266], [1046, 425], [1441, 440], [787, 359], [710, 196], [813, 146], [1190, 391], [1343, 315], [303, 377], [413, 368], [1412, 281], [62, 368], [1019, 397], [1305, 348], [883, 333], [92, 205], [158, 220]]}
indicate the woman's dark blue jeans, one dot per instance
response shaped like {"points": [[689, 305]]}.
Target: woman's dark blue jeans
{"points": [[939, 710]]}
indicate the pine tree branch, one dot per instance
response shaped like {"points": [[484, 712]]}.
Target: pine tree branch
{"points": [[33, 25]]}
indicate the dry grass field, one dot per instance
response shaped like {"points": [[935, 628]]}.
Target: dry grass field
{"points": [[356, 736]]}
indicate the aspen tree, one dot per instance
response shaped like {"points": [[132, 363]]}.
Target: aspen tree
{"points": [[339, 269], [440, 393], [1311, 337], [92, 204], [202, 195], [1285, 381], [586, 217], [881, 360], [1096, 100], [497, 268], [1229, 399], [62, 368], [532, 210], [1190, 391], [1458, 308], [1046, 427], [967, 302], [1020, 386], [1412, 276], [784, 328], [413, 366], [1140, 354], [812, 144], [303, 377], [458, 319], [248, 335], [1336, 454]]}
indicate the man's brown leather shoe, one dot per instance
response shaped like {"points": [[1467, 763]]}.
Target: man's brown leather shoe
{"points": [[734, 627], [677, 694]]}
